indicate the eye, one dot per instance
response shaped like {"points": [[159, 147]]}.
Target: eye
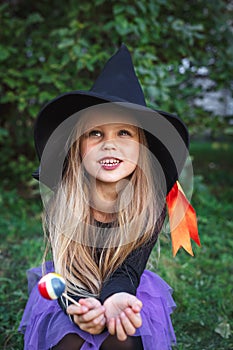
{"points": [[95, 133], [125, 132]]}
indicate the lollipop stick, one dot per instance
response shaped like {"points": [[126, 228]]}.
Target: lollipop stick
{"points": [[70, 299]]}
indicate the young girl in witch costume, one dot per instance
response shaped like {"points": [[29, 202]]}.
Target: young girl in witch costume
{"points": [[111, 164]]}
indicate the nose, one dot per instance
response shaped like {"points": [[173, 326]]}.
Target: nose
{"points": [[109, 145]]}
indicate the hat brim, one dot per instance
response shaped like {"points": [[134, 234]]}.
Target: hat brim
{"points": [[59, 109]]}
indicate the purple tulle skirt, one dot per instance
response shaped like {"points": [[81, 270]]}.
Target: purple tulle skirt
{"points": [[44, 323]]}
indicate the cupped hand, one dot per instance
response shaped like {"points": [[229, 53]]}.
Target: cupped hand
{"points": [[123, 314], [89, 316]]}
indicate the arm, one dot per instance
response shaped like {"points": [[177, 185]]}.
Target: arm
{"points": [[121, 309], [118, 294], [127, 277]]}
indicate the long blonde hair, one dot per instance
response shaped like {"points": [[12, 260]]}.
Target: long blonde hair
{"points": [[82, 254]]}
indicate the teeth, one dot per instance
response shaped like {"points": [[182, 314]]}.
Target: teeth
{"points": [[109, 162]]}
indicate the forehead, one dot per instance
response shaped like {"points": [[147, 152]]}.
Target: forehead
{"points": [[109, 118]]}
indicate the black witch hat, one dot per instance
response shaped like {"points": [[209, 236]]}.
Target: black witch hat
{"points": [[118, 83]]}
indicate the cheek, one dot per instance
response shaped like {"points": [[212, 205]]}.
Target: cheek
{"points": [[88, 155], [133, 153], [85, 149]]}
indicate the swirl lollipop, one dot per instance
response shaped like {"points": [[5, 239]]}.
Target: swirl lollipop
{"points": [[52, 286]]}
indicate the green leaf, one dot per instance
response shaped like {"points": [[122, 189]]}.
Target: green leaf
{"points": [[65, 43], [34, 18], [45, 96], [33, 110], [12, 83], [4, 53]]}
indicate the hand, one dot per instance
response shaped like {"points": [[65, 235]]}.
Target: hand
{"points": [[123, 314], [89, 316]]}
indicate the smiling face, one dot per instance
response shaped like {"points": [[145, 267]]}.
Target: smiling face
{"points": [[110, 147]]}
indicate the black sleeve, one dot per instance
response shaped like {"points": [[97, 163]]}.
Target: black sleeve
{"points": [[127, 277]]}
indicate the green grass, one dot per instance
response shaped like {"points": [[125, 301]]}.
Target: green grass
{"points": [[21, 248], [202, 284]]}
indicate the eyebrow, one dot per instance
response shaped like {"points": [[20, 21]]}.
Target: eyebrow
{"points": [[116, 125]]}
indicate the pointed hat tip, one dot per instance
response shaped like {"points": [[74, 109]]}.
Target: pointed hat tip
{"points": [[123, 51], [124, 47], [118, 79]]}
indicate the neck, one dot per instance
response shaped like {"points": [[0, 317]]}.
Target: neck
{"points": [[102, 216], [103, 200]]}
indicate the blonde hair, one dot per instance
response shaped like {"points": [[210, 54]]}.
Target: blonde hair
{"points": [[72, 231]]}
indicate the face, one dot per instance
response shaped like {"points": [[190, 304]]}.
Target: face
{"points": [[110, 147]]}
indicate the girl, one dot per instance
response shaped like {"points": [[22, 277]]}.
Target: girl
{"points": [[109, 176]]}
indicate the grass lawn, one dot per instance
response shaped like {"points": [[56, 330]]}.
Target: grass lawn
{"points": [[203, 285]]}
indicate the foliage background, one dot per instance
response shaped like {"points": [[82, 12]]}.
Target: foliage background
{"points": [[50, 48], [47, 48]]}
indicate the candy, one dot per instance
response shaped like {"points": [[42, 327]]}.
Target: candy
{"points": [[52, 286]]}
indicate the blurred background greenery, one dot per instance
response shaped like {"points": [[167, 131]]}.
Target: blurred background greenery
{"points": [[183, 56]]}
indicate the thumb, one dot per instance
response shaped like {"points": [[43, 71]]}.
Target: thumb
{"points": [[135, 303]]}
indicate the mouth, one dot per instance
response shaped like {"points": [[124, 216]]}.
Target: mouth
{"points": [[110, 163]]}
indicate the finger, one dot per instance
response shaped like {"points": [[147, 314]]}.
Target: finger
{"points": [[127, 325], [95, 330], [135, 318], [120, 332], [93, 327], [111, 324], [76, 310], [92, 314], [134, 302], [91, 303], [97, 324], [137, 306], [99, 320]]}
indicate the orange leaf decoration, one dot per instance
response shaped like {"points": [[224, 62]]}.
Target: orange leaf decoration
{"points": [[183, 221]]}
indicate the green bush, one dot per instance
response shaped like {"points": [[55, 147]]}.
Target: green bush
{"points": [[50, 48]]}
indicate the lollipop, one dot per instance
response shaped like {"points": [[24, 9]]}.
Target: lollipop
{"points": [[52, 286]]}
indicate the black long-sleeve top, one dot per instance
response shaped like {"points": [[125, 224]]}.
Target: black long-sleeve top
{"points": [[126, 278]]}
